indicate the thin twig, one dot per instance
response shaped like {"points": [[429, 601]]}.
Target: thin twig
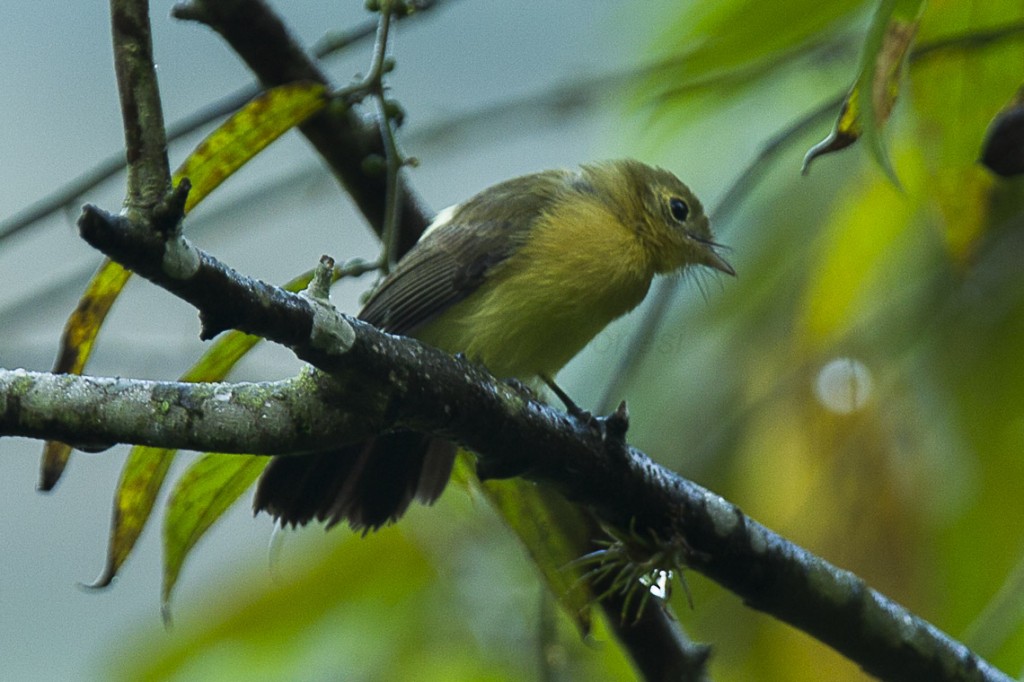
{"points": [[651, 635], [67, 195], [340, 134], [643, 336], [392, 156]]}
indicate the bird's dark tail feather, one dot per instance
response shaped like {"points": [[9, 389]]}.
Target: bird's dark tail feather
{"points": [[367, 484]]}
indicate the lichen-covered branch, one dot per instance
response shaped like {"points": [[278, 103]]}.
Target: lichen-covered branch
{"points": [[368, 381], [274, 417], [225, 298]]}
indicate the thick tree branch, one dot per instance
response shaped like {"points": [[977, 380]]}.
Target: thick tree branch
{"points": [[274, 417], [225, 298], [346, 142], [406, 384], [659, 647]]}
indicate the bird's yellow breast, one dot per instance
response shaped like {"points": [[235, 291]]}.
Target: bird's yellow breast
{"points": [[580, 268]]}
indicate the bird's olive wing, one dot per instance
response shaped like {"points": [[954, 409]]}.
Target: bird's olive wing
{"points": [[448, 265], [455, 258]]}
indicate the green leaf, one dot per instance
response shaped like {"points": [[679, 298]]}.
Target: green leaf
{"points": [[143, 474], [252, 630], [215, 481], [738, 40], [200, 497]]}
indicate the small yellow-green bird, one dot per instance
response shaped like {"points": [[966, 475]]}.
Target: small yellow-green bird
{"points": [[520, 278]]}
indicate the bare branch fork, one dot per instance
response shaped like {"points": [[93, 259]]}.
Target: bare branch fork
{"points": [[369, 381]]}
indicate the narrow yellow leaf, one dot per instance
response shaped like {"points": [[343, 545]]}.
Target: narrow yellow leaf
{"points": [[83, 325], [76, 345], [247, 133], [142, 476], [223, 152], [144, 472]]}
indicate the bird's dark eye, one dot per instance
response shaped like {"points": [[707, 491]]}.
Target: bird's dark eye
{"points": [[680, 210]]}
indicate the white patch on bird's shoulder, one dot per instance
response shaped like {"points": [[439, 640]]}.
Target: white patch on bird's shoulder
{"points": [[443, 217]]}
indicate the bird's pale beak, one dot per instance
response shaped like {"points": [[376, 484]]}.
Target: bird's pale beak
{"points": [[713, 260]]}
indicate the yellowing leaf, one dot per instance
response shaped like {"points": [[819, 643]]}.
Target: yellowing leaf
{"points": [[144, 472], [201, 496], [55, 459], [83, 325], [222, 357], [885, 52], [141, 479], [79, 335], [215, 481], [246, 134]]}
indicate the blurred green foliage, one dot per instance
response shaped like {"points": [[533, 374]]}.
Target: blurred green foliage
{"points": [[444, 595], [916, 487]]}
